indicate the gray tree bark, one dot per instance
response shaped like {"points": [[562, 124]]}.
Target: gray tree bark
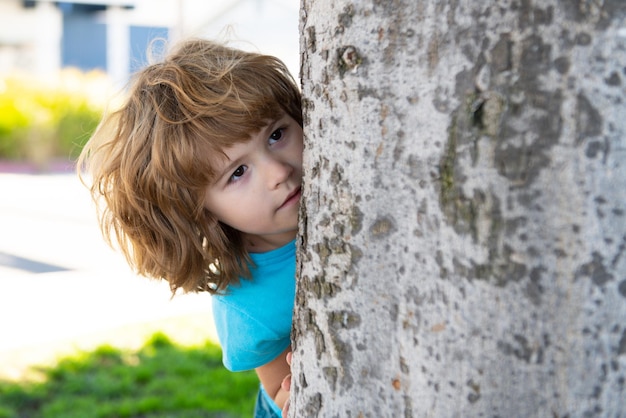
{"points": [[463, 228]]}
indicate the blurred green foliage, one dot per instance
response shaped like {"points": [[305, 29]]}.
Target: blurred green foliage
{"points": [[52, 119], [160, 380]]}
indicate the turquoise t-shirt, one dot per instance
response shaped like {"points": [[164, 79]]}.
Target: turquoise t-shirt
{"points": [[253, 318]]}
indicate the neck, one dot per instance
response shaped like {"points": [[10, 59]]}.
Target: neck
{"points": [[258, 244]]}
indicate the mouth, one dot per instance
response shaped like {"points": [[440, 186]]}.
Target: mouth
{"points": [[293, 198]]}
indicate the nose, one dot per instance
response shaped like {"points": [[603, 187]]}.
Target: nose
{"points": [[277, 172]]}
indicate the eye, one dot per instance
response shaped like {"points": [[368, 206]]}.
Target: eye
{"points": [[238, 173], [276, 136]]}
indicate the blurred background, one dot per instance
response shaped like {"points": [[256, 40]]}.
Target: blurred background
{"points": [[60, 62], [62, 290]]}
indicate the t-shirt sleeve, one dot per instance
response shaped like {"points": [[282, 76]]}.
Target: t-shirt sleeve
{"points": [[246, 343]]}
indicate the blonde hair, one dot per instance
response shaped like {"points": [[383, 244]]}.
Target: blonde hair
{"points": [[150, 160]]}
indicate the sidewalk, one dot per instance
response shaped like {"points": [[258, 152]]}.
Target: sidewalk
{"points": [[63, 289]]}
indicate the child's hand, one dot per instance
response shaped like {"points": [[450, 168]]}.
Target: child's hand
{"points": [[286, 386]]}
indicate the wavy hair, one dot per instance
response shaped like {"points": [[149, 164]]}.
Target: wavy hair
{"points": [[150, 161]]}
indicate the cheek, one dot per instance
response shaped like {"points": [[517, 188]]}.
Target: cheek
{"points": [[207, 203], [298, 153], [214, 204], [301, 149]]}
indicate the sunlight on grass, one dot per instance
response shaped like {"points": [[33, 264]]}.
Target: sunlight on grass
{"points": [[162, 379]]}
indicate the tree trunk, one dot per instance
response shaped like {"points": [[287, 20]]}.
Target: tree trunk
{"points": [[463, 228]]}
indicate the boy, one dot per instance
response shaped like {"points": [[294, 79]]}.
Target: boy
{"points": [[198, 178]]}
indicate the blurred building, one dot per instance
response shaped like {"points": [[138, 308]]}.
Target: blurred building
{"points": [[42, 36]]}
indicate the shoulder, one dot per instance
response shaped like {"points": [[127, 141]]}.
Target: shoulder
{"points": [[253, 318], [252, 332]]}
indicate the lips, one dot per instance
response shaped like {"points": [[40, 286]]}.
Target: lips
{"points": [[292, 198]]}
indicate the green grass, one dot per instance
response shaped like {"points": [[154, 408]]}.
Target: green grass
{"points": [[160, 380]]}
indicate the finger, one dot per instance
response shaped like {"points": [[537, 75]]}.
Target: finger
{"points": [[286, 383], [285, 411]]}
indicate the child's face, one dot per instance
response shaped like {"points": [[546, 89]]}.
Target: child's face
{"points": [[257, 190]]}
